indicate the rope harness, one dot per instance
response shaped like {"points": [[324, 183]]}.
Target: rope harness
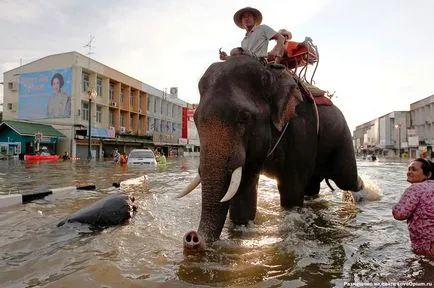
{"points": [[307, 94]]}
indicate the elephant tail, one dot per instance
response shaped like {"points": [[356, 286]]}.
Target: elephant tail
{"points": [[328, 184]]}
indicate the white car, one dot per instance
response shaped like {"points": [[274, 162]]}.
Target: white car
{"points": [[141, 158]]}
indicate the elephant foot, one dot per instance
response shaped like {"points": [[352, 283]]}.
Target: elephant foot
{"points": [[193, 243], [360, 184]]}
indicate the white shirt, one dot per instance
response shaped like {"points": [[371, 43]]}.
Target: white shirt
{"points": [[256, 41]]}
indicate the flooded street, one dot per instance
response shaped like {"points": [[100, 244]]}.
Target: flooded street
{"points": [[323, 244]]}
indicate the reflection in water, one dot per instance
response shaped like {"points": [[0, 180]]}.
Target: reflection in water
{"points": [[323, 244]]}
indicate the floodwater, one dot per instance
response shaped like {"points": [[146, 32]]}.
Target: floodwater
{"points": [[324, 244]]}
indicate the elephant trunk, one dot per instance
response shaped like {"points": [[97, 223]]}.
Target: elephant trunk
{"points": [[213, 215], [219, 160]]}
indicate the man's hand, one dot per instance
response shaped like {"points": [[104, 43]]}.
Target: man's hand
{"points": [[223, 55], [277, 59]]}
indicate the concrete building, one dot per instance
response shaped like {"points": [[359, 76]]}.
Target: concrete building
{"points": [[421, 134], [386, 135], [409, 133], [125, 112], [366, 138]]}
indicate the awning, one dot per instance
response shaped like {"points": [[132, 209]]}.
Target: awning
{"points": [[130, 140], [25, 128]]}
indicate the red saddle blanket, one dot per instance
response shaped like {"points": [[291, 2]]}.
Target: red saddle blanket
{"points": [[318, 95], [322, 100]]}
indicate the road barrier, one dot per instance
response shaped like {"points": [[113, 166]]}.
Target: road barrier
{"points": [[26, 197]]}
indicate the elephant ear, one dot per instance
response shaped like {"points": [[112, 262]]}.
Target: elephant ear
{"points": [[285, 97]]}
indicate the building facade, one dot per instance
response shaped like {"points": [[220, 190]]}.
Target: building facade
{"points": [[422, 128], [123, 112], [408, 133]]}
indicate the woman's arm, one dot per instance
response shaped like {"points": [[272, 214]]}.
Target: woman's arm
{"points": [[279, 49], [407, 204]]}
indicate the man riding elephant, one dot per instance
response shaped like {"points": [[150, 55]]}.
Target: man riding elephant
{"points": [[265, 123], [255, 42]]}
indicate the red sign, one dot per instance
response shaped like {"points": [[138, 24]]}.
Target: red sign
{"points": [[190, 114], [187, 116]]}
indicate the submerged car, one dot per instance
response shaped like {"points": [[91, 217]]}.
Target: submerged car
{"points": [[141, 158]]}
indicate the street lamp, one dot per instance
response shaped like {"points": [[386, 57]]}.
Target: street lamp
{"points": [[398, 126], [92, 94]]}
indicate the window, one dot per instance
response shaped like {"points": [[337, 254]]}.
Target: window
{"points": [[149, 103], [85, 81], [99, 86], [122, 96], [131, 122], [122, 120], [85, 111], [111, 118], [162, 107], [10, 106], [132, 98], [155, 104], [10, 85], [156, 126], [112, 92], [150, 124], [98, 113]]}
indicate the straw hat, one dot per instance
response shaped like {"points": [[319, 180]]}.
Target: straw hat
{"points": [[285, 32], [239, 14]]}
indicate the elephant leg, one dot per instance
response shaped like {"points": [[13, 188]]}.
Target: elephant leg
{"points": [[291, 191], [344, 170], [243, 206], [313, 186]]}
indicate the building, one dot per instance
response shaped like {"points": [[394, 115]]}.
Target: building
{"points": [[17, 137], [409, 133], [62, 90], [365, 138], [422, 129], [386, 135]]}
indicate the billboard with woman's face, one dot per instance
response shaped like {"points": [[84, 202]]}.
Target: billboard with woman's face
{"points": [[45, 94]]}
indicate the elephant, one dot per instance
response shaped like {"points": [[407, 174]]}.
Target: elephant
{"points": [[257, 119]]}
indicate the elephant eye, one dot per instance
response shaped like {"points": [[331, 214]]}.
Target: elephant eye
{"points": [[244, 117]]}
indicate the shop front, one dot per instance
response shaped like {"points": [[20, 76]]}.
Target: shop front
{"points": [[167, 144], [98, 136], [22, 137]]}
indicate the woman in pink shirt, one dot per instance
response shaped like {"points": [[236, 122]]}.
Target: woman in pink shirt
{"points": [[417, 206]]}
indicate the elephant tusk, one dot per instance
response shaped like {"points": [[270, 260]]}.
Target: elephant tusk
{"points": [[235, 183], [193, 184]]}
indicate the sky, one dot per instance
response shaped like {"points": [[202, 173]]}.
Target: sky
{"points": [[376, 55]]}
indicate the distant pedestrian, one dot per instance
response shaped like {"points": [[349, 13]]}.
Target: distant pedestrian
{"points": [[123, 159], [66, 156], [116, 156], [417, 206], [161, 159]]}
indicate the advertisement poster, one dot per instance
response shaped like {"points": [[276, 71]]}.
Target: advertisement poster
{"points": [[45, 94]]}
